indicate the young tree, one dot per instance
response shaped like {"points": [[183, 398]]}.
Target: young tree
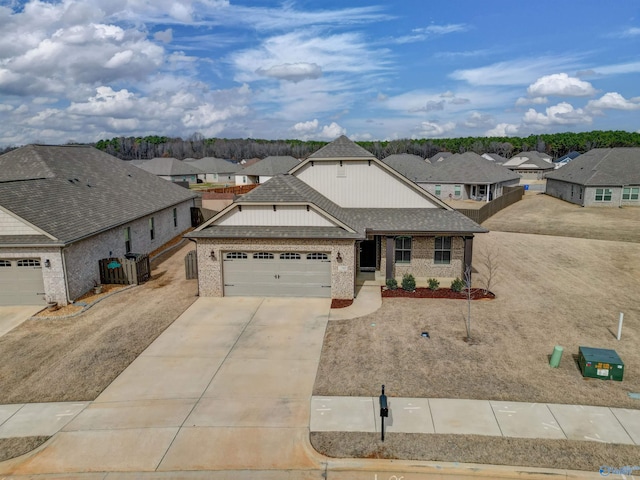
{"points": [[489, 260], [467, 289]]}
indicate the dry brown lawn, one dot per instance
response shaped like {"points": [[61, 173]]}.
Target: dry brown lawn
{"points": [[551, 289], [546, 215], [74, 359], [14, 447]]}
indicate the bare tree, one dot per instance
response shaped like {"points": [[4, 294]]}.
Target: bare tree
{"points": [[467, 289], [489, 260]]}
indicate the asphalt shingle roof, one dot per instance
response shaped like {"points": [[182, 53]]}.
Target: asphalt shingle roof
{"points": [[602, 167], [438, 157], [341, 147], [469, 167], [85, 191], [270, 166], [213, 165], [169, 166], [413, 167], [531, 160]]}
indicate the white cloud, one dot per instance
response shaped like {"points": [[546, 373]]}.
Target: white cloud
{"points": [[514, 72], [631, 32], [433, 129], [560, 84], [332, 131], [560, 114], [164, 36], [295, 72], [430, 106], [502, 130], [523, 101], [5, 108], [421, 34], [478, 120], [306, 127], [614, 101]]}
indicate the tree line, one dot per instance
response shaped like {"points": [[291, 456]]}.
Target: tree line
{"points": [[197, 146]]}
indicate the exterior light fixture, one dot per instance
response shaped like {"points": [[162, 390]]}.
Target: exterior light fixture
{"points": [[339, 258], [47, 263], [213, 255]]}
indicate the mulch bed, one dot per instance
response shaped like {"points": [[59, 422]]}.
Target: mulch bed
{"points": [[421, 292], [341, 303]]}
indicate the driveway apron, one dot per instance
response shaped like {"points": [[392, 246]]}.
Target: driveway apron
{"points": [[227, 386]]}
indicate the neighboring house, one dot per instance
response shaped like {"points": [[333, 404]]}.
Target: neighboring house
{"points": [[217, 201], [266, 168], [414, 167], [494, 157], [64, 208], [216, 170], [530, 165], [438, 157], [562, 161], [465, 176], [172, 169], [312, 231], [606, 177]]}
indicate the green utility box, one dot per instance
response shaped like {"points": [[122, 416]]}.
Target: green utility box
{"points": [[600, 363]]}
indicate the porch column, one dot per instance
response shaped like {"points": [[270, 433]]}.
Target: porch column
{"points": [[390, 258], [468, 252]]}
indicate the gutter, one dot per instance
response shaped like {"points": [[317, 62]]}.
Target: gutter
{"points": [[66, 277], [198, 282]]}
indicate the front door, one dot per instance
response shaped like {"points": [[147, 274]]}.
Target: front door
{"points": [[368, 256]]}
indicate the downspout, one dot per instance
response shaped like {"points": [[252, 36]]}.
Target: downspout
{"points": [[488, 191], [198, 282], [66, 276]]}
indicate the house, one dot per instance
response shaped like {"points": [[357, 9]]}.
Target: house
{"points": [[438, 157], [494, 157], [172, 169], [313, 231], [562, 161], [530, 165], [260, 172], [414, 167], [468, 176], [216, 170], [603, 177], [64, 208]]}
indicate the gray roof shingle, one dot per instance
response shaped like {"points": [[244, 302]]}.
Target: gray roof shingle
{"points": [[602, 167], [270, 166], [85, 191], [213, 165], [413, 167], [469, 167], [341, 147], [168, 166]]}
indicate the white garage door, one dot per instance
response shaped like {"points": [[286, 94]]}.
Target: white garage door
{"points": [[277, 274], [21, 282]]}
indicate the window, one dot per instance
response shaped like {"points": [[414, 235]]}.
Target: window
{"points": [[175, 217], [263, 256], [438, 190], [457, 190], [571, 191], [631, 193], [603, 194], [317, 256], [152, 230], [403, 249], [5, 263], [580, 193], [29, 262], [442, 251], [236, 256], [127, 240], [289, 256]]}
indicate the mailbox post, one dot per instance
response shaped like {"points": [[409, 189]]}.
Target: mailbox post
{"points": [[384, 410]]}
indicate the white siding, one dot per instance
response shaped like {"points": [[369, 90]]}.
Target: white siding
{"points": [[10, 225], [360, 185], [288, 216]]}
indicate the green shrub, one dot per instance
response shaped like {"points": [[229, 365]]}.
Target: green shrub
{"points": [[457, 285], [408, 282], [392, 284], [433, 284]]}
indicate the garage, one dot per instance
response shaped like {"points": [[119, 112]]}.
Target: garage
{"points": [[277, 274], [21, 282]]}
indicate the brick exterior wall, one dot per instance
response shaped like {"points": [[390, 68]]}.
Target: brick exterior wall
{"points": [[422, 264], [53, 277], [210, 278]]}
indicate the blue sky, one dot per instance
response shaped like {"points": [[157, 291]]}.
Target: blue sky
{"points": [[81, 71]]}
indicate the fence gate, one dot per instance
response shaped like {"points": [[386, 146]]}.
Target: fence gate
{"points": [[191, 265], [125, 271]]}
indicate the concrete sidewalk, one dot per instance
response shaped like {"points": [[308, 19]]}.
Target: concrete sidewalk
{"points": [[477, 417]]}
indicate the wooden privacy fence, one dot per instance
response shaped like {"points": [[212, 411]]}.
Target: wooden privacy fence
{"points": [[237, 190], [191, 265], [125, 271], [509, 196]]}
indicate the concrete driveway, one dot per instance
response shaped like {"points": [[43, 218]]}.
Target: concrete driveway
{"points": [[12, 316], [227, 386]]}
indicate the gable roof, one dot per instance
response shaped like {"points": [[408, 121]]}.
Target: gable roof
{"points": [[602, 167], [529, 160], [84, 191], [341, 147], [413, 167], [270, 166], [169, 166], [469, 167], [438, 157], [568, 157], [494, 157], [213, 165]]}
